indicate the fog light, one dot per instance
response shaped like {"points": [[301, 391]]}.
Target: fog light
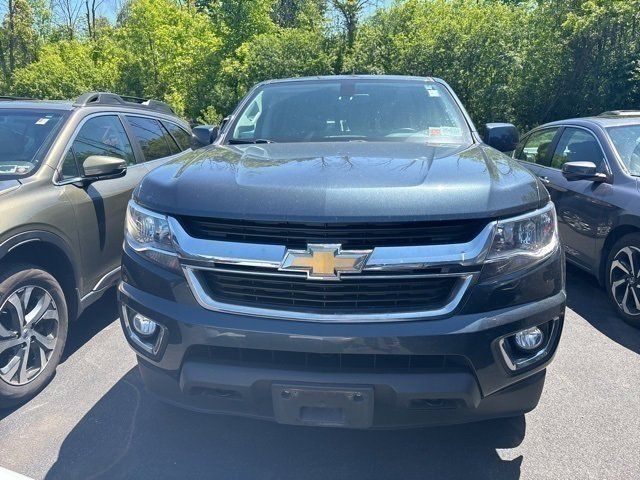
{"points": [[143, 325], [529, 339]]}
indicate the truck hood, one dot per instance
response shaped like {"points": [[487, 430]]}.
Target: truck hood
{"points": [[354, 181]]}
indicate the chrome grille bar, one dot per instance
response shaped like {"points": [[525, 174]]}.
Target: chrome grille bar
{"points": [[199, 255], [194, 250], [207, 301]]}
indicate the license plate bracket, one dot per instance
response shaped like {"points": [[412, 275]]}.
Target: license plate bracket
{"points": [[323, 406]]}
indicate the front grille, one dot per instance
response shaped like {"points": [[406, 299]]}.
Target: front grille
{"points": [[349, 235], [370, 292], [334, 362]]}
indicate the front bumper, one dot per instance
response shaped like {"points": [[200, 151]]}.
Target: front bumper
{"points": [[481, 386], [400, 401]]}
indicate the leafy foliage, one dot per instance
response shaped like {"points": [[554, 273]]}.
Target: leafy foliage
{"points": [[18, 38], [526, 62], [238, 20], [474, 46], [166, 52], [286, 53], [66, 69]]}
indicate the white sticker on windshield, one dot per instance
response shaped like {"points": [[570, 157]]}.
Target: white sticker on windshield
{"points": [[19, 169], [433, 92], [42, 121], [451, 132]]}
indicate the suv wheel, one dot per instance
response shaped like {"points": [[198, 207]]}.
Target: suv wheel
{"points": [[623, 278], [33, 331]]}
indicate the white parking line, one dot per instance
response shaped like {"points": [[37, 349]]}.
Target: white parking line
{"points": [[9, 475]]}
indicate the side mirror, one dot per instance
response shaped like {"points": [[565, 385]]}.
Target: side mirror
{"points": [[582, 171], [501, 136], [99, 167], [204, 135]]}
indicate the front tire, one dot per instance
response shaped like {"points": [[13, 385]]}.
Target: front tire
{"points": [[622, 278], [33, 332]]}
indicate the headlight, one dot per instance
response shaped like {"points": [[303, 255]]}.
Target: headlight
{"points": [[148, 233], [522, 241]]}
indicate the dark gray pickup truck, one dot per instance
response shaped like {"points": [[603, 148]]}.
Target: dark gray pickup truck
{"points": [[348, 253]]}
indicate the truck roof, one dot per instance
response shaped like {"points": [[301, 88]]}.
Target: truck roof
{"points": [[351, 77]]}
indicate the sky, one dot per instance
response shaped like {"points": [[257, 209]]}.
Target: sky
{"points": [[111, 5]]}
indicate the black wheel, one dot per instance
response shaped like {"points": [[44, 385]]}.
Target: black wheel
{"points": [[33, 331], [623, 278]]}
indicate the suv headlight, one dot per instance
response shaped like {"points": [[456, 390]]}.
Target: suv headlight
{"points": [[522, 241], [148, 233]]}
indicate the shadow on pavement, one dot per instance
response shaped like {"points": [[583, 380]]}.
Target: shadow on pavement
{"points": [[92, 321], [148, 439], [587, 298], [129, 434]]}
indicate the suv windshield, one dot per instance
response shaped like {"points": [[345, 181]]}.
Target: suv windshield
{"points": [[25, 135], [350, 110], [626, 140]]}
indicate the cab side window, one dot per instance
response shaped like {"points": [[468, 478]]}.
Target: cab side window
{"points": [[535, 149], [181, 136], [154, 140], [577, 145], [247, 123], [103, 135]]}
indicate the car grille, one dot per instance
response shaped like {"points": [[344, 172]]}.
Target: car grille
{"points": [[349, 235], [269, 288], [335, 362]]}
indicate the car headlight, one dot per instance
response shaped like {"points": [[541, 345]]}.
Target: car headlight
{"points": [[522, 241], [148, 233]]}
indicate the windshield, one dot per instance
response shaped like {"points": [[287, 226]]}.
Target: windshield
{"points": [[25, 135], [626, 141], [351, 110]]}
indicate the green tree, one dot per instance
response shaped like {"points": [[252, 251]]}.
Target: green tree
{"points": [[237, 21], [168, 52], [18, 38], [527, 61], [596, 47], [350, 13], [299, 13], [474, 46], [68, 68], [287, 52]]}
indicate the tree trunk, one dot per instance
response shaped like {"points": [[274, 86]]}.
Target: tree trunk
{"points": [[12, 37]]}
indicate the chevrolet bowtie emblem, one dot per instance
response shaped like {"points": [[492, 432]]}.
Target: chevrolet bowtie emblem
{"points": [[325, 261]]}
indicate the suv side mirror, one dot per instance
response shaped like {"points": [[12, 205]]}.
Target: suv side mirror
{"points": [[582, 171], [100, 167], [204, 135], [501, 136]]}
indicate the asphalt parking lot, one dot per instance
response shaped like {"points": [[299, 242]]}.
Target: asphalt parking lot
{"points": [[96, 421]]}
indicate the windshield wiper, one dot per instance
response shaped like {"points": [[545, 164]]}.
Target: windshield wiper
{"points": [[245, 142]]}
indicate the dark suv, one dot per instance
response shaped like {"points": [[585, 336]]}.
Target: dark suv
{"points": [[348, 253], [67, 170], [590, 167]]}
